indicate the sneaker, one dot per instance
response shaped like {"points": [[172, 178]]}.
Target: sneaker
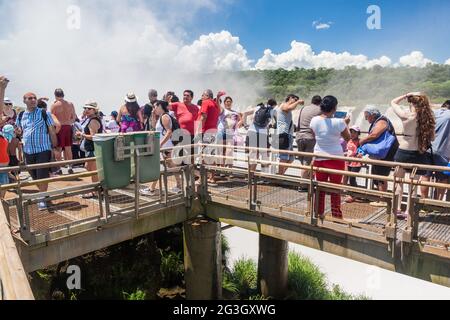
{"points": [[89, 196], [401, 215], [147, 192], [58, 172], [70, 171], [42, 205], [175, 190]]}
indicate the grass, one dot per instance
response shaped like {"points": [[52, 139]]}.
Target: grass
{"points": [[138, 295], [171, 268], [242, 280], [307, 282]]}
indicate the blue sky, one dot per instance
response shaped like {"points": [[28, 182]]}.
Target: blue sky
{"points": [[406, 26]]}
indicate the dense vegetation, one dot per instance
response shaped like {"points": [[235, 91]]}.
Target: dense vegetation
{"points": [[305, 281], [151, 267], [356, 86]]}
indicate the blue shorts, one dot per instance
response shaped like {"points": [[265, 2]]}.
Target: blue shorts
{"points": [[4, 178]]}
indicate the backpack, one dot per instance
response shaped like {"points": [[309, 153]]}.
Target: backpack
{"points": [[175, 125], [262, 116], [147, 111]]}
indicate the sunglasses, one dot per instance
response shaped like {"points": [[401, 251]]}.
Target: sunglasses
{"points": [[8, 104]]}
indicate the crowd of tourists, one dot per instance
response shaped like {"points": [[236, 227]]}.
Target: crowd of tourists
{"points": [[40, 135]]}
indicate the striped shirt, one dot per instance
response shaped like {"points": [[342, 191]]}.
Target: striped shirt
{"points": [[35, 134]]}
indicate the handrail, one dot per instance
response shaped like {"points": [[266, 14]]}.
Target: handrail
{"points": [[345, 173], [330, 157], [13, 278], [49, 180], [45, 165]]}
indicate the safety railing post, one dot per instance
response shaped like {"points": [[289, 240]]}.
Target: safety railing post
{"points": [[107, 204], [136, 182], [100, 202], [311, 206], [413, 213], [391, 226], [249, 184], [166, 183]]}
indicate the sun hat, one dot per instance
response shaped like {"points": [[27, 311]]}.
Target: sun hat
{"points": [[91, 105], [130, 98], [356, 128], [7, 100]]}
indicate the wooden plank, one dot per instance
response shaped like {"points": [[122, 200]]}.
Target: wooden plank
{"points": [[13, 277]]}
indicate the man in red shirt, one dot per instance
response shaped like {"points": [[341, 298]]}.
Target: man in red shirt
{"points": [[187, 114], [208, 121], [209, 117]]}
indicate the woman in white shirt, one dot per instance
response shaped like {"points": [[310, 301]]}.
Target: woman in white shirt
{"points": [[328, 131]]}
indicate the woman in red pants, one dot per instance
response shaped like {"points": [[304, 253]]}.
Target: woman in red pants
{"points": [[328, 131]]}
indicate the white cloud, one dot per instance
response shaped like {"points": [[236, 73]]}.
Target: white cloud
{"points": [[322, 25], [301, 55], [414, 59], [447, 62], [112, 53], [216, 51]]}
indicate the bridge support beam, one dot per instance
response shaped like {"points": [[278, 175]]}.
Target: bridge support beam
{"points": [[203, 259], [273, 267]]}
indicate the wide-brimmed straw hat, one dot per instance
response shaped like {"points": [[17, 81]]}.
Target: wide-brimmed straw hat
{"points": [[91, 105], [130, 98]]}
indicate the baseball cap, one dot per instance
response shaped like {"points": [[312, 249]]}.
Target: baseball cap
{"points": [[356, 128], [7, 100]]}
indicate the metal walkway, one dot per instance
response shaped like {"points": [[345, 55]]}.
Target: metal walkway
{"points": [[270, 204]]}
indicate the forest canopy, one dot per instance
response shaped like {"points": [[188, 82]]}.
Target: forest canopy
{"points": [[354, 86]]}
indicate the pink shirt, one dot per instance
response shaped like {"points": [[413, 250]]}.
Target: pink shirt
{"points": [[352, 149]]}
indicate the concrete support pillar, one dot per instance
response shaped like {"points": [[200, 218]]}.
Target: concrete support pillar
{"points": [[203, 259], [273, 267]]}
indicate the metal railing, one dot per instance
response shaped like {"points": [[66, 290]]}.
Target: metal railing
{"points": [[35, 227], [405, 232], [69, 212]]}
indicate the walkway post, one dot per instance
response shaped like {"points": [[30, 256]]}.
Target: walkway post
{"points": [[203, 259], [273, 267]]}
